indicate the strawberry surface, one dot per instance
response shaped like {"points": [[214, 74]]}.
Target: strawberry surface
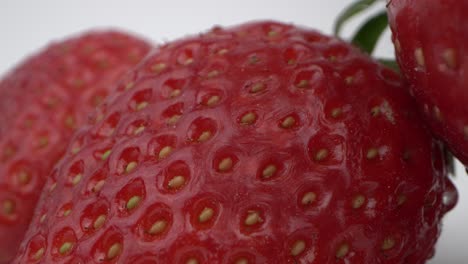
{"points": [[42, 101], [261, 143], [431, 43]]}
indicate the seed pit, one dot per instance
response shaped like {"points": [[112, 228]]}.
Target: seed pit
{"points": [[172, 88], [162, 146], [176, 176], [130, 197], [155, 222], [201, 130], [140, 100]]}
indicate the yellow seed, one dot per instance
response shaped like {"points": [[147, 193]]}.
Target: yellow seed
{"points": [[212, 74], [129, 86], [70, 122], [437, 113], [397, 45], [43, 142], [342, 251], [99, 222], [24, 178], [141, 106], [192, 261], [8, 207], [388, 243], [308, 198], [242, 261], [98, 186], [205, 215], [401, 199], [133, 202], [288, 122], [77, 179], [173, 119], [222, 51], [176, 182], [131, 166], [321, 155], [38, 254], [8, 153], [419, 56], [75, 150], [164, 152], [114, 251], [106, 154], [67, 212], [139, 130], [253, 218], [272, 33], [298, 247], [65, 248], [336, 112], [52, 187], [257, 87], [349, 80], [213, 100], [225, 164], [188, 61], [375, 111], [269, 171], [450, 58], [158, 67], [358, 201], [248, 118], [158, 227], [175, 93], [303, 84], [204, 136], [43, 218], [372, 153]]}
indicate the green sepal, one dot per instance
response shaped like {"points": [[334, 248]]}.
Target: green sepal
{"points": [[369, 34], [350, 11]]}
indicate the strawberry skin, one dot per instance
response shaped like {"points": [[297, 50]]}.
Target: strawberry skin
{"points": [[431, 43], [42, 101], [262, 143]]}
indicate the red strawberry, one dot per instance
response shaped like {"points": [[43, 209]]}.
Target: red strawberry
{"points": [[431, 42], [42, 101], [264, 143]]}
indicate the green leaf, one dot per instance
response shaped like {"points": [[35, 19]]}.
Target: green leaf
{"points": [[368, 35], [351, 11], [392, 64]]}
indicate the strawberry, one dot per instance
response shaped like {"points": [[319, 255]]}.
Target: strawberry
{"points": [[261, 143], [42, 101], [431, 43]]}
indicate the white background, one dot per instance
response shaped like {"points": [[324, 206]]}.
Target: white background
{"points": [[26, 26]]}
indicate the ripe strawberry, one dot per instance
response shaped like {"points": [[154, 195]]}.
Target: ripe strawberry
{"points": [[431, 42], [263, 143], [42, 101]]}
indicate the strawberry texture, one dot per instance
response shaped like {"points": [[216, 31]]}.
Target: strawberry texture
{"points": [[260, 143], [42, 101], [431, 46]]}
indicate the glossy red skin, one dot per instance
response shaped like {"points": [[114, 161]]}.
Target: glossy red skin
{"points": [[228, 63], [440, 29], [48, 96]]}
